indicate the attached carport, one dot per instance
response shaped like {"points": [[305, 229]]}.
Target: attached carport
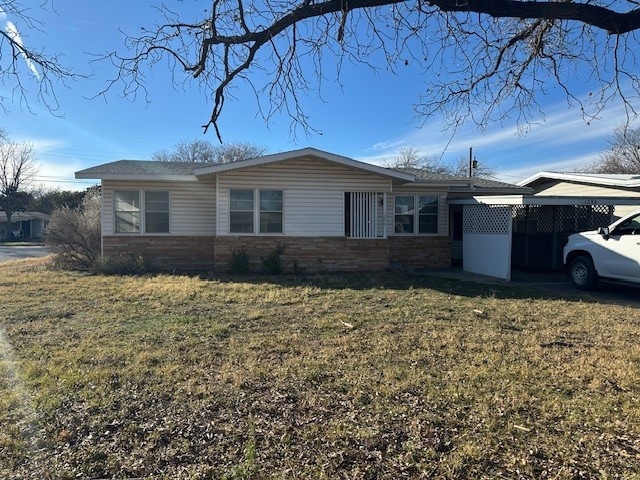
{"points": [[500, 232]]}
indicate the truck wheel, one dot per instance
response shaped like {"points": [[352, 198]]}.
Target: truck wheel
{"points": [[582, 273]]}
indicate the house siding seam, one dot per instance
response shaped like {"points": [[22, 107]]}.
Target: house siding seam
{"points": [[311, 255]]}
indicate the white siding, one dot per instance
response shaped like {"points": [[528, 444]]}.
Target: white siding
{"points": [[569, 189], [313, 193], [193, 205]]}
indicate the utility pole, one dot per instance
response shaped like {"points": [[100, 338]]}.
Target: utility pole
{"points": [[473, 163]]}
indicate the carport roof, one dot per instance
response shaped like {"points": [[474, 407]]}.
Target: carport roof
{"points": [[609, 180], [544, 200]]}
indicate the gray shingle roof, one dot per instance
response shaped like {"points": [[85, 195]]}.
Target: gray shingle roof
{"points": [[425, 176], [142, 167], [155, 168]]}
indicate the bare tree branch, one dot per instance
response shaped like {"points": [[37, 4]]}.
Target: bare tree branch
{"points": [[482, 60], [25, 68], [623, 154]]}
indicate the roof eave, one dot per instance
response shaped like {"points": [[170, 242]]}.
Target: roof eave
{"points": [[149, 177], [493, 190]]}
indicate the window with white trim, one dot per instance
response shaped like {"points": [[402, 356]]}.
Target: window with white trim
{"points": [[141, 211], [127, 211], [241, 207], [156, 212], [416, 214], [270, 211], [246, 215]]}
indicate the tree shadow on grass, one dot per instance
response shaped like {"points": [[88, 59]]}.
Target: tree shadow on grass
{"points": [[388, 281], [450, 283]]}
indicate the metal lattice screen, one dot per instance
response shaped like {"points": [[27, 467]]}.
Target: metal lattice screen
{"points": [[560, 218], [486, 219]]}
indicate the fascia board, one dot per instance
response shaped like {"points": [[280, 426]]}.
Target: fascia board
{"points": [[138, 177]]}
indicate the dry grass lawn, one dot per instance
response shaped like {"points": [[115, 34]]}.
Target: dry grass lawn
{"points": [[347, 377]]}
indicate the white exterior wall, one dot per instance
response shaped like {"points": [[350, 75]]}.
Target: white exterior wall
{"points": [[570, 189], [486, 240], [192, 204], [313, 193], [443, 206]]}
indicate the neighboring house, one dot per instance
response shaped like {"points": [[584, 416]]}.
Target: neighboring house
{"points": [[24, 225], [589, 185], [331, 213], [530, 230], [566, 203]]}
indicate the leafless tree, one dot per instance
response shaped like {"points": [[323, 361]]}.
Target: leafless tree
{"points": [[18, 166], [479, 168], [409, 159], [482, 60], [205, 152], [623, 155], [27, 70]]}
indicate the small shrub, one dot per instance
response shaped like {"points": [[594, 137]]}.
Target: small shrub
{"points": [[74, 235], [239, 260], [123, 265], [272, 263]]}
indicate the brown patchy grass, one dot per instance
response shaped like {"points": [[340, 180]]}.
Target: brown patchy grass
{"points": [[354, 377]]}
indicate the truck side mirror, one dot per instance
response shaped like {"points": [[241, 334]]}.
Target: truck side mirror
{"points": [[604, 231]]}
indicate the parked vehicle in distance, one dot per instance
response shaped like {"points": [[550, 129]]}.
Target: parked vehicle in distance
{"points": [[611, 252]]}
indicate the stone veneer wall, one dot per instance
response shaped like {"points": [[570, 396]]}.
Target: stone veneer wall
{"points": [[182, 253], [413, 252], [311, 254]]}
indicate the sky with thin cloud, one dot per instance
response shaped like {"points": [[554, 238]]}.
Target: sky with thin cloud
{"points": [[368, 117]]}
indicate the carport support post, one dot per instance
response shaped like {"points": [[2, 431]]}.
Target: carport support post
{"points": [[526, 235], [554, 238]]}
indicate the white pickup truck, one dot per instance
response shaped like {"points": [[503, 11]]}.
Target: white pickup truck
{"points": [[611, 252]]}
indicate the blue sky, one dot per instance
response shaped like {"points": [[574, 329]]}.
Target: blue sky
{"points": [[369, 118]]}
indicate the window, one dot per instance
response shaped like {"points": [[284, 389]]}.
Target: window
{"points": [[630, 226], [427, 214], [129, 206], [248, 216], [409, 219], [241, 211], [270, 211], [404, 213], [127, 211], [156, 212]]}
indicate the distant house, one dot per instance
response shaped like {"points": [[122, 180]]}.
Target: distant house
{"points": [[624, 188], [24, 225], [530, 230], [331, 213]]}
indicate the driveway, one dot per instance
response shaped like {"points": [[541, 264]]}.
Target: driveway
{"points": [[18, 252], [558, 284], [555, 283]]}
